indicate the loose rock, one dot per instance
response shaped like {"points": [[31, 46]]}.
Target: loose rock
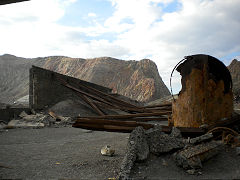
{"points": [[24, 124], [192, 156], [238, 150], [202, 138], [107, 151], [137, 150], [160, 142]]}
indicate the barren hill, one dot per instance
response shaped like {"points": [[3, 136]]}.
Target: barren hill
{"points": [[234, 69], [138, 80]]}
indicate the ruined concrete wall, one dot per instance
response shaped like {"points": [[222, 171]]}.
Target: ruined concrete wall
{"points": [[45, 89], [7, 114]]}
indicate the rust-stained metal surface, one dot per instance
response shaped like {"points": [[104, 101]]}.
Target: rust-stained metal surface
{"points": [[206, 96]]}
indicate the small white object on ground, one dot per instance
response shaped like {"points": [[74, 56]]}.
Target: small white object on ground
{"points": [[107, 151]]}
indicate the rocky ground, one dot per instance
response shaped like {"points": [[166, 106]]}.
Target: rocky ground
{"points": [[59, 153], [41, 146], [225, 165]]}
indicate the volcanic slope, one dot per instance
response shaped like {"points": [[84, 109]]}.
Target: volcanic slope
{"points": [[138, 80]]}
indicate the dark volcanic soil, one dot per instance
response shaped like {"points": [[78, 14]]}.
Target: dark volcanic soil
{"points": [[223, 166], [53, 153]]}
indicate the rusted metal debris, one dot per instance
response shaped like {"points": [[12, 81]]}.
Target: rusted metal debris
{"points": [[206, 95], [98, 101], [200, 114]]}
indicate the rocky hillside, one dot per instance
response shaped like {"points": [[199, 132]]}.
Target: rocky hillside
{"points": [[138, 80], [234, 69]]}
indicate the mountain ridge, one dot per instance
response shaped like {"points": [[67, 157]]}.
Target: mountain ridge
{"points": [[138, 80]]}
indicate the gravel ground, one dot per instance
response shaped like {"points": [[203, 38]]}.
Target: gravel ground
{"points": [[223, 166], [59, 153]]}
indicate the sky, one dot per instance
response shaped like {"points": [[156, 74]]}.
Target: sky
{"points": [[161, 30]]}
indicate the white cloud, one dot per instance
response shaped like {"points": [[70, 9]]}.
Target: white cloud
{"points": [[201, 26], [142, 30], [92, 15]]}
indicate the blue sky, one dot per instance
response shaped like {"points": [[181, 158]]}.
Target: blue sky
{"points": [[162, 30], [83, 13]]}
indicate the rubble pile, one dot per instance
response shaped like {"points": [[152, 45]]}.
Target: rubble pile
{"points": [[37, 120], [188, 153]]}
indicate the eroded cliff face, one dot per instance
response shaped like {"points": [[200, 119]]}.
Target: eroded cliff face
{"points": [[234, 69], [138, 80]]}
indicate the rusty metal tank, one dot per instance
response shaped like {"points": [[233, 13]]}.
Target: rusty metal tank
{"points": [[206, 96]]}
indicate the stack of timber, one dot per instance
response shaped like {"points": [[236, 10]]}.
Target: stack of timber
{"points": [[133, 116]]}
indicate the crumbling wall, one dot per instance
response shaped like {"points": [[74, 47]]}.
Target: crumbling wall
{"points": [[8, 113], [45, 88]]}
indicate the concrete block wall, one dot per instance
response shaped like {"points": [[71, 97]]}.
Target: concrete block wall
{"points": [[45, 89], [7, 114]]}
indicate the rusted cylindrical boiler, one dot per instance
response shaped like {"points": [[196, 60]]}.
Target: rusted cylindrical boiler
{"points": [[206, 96]]}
